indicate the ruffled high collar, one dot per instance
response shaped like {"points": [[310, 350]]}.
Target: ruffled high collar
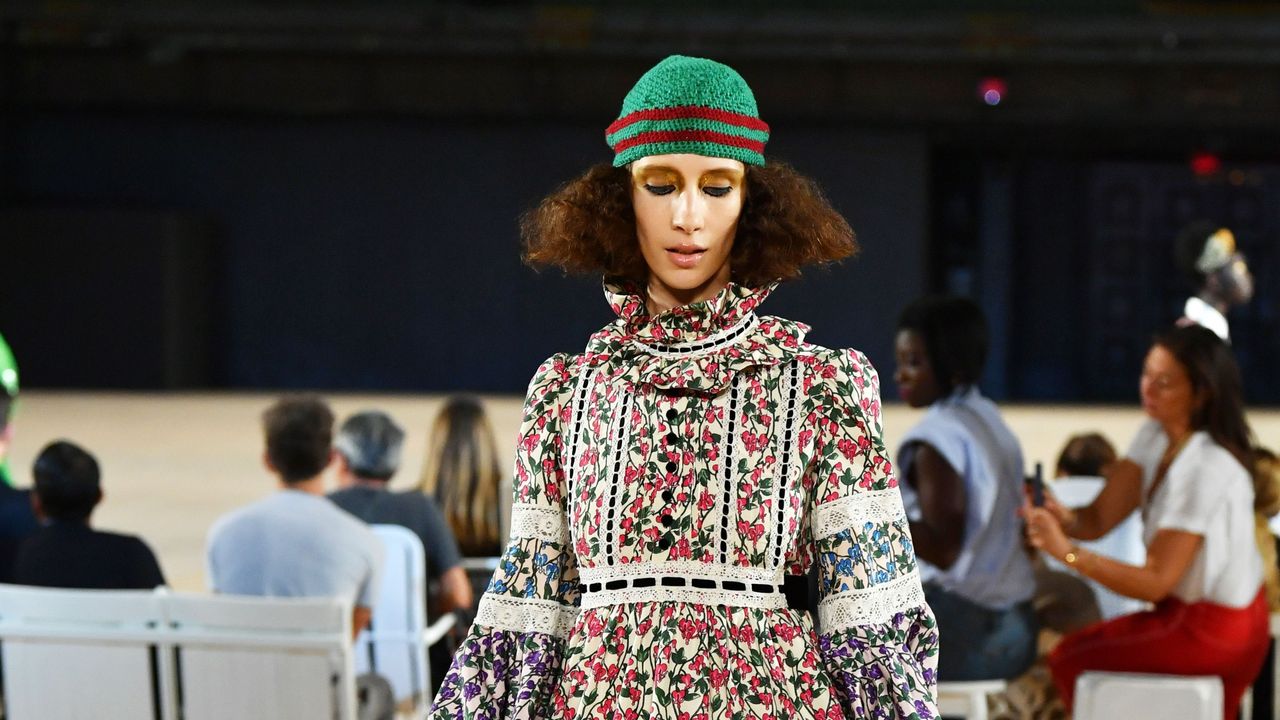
{"points": [[697, 347]]}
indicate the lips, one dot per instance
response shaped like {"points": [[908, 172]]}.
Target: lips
{"points": [[686, 255]]}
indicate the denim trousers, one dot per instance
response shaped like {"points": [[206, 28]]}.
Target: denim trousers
{"points": [[981, 643]]}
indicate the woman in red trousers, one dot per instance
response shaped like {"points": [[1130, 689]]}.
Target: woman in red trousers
{"points": [[1188, 469]]}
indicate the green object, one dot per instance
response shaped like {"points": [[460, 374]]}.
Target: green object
{"points": [[9, 381], [689, 105], [8, 369]]}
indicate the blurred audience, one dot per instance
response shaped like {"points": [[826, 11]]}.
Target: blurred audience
{"points": [[17, 522], [1266, 506], [66, 552], [1207, 255], [368, 455], [295, 543], [962, 475], [461, 473], [1084, 455], [1190, 470]]}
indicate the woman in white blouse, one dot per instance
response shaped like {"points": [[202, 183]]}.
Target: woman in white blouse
{"points": [[1188, 470]]}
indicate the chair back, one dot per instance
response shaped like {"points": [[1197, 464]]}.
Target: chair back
{"points": [[1123, 543], [394, 645], [1139, 696], [280, 658], [72, 654]]}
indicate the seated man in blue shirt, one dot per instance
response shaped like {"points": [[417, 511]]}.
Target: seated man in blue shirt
{"points": [[294, 543], [65, 552]]}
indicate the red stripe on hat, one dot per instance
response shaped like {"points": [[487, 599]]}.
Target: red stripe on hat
{"points": [[689, 111], [707, 136]]}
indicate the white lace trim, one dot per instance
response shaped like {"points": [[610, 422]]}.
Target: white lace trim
{"points": [[873, 605], [706, 345], [526, 615], [688, 569], [538, 522], [851, 511], [697, 596]]}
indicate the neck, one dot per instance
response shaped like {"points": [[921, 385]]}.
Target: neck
{"points": [[313, 485], [369, 483], [1177, 432], [1215, 300], [662, 297]]}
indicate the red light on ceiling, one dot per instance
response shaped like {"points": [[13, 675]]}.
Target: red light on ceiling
{"points": [[1205, 163], [992, 90]]}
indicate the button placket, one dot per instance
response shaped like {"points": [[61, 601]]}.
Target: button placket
{"points": [[672, 477]]}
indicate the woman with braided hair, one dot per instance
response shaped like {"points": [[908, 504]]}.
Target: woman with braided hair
{"points": [[675, 482]]}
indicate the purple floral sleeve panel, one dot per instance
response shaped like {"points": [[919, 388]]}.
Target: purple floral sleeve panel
{"points": [[510, 661], [886, 670], [501, 675], [879, 640]]}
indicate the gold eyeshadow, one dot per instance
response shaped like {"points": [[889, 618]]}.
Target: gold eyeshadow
{"points": [[661, 176]]}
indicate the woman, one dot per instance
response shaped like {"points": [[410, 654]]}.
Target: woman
{"points": [[462, 474], [1187, 470], [963, 484], [676, 480]]}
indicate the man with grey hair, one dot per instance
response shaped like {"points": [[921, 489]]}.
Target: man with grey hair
{"points": [[368, 449]]}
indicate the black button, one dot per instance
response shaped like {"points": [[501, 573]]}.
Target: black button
{"points": [[672, 414], [667, 521], [665, 543], [668, 496], [671, 467], [672, 438]]}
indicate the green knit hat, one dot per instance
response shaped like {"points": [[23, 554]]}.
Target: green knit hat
{"points": [[689, 105]]}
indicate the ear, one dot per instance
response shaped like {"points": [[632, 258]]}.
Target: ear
{"points": [[266, 463], [36, 508]]}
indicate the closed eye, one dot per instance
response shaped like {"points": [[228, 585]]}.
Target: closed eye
{"points": [[717, 190], [660, 189]]}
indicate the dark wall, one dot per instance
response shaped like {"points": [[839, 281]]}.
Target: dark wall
{"points": [[371, 254]]}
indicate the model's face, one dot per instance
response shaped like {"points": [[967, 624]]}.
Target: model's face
{"points": [[1235, 281], [917, 383], [687, 209], [1167, 394]]}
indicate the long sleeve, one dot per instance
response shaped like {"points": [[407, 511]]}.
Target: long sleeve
{"points": [[511, 659], [878, 639]]}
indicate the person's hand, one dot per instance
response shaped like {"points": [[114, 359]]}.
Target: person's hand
{"points": [[1044, 531], [1065, 516]]}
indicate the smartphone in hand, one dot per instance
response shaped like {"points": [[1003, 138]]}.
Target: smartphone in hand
{"points": [[1037, 486]]}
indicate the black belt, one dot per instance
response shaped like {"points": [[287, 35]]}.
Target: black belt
{"points": [[795, 587]]}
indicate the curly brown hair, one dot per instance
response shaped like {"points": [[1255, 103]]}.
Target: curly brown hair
{"points": [[588, 226]]}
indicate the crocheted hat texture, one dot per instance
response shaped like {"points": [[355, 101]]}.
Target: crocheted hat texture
{"points": [[689, 105]]}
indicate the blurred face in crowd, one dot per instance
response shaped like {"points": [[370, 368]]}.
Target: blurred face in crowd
{"points": [[1235, 282], [917, 383], [1167, 394], [687, 209]]}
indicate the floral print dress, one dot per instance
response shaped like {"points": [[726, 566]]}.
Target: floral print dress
{"points": [[669, 482]]}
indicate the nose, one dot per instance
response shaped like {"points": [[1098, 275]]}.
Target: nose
{"points": [[689, 213]]}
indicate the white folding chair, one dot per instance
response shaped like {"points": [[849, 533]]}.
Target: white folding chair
{"points": [[73, 654], [279, 658], [395, 643], [1123, 543], [968, 698], [1139, 696]]}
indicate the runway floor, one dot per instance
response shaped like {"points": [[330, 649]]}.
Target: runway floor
{"points": [[172, 463]]}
